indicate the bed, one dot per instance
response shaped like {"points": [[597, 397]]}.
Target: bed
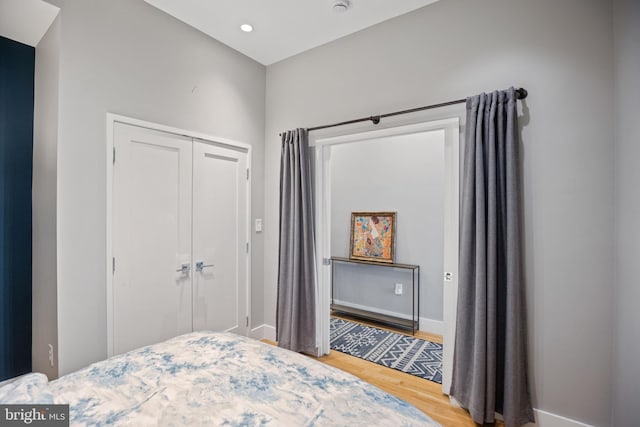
{"points": [[218, 379]]}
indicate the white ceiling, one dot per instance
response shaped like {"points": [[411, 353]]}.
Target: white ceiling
{"points": [[282, 28], [26, 21]]}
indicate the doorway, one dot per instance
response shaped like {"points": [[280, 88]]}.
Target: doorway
{"points": [[449, 131], [178, 235]]}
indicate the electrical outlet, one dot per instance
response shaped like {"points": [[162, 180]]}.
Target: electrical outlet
{"points": [[258, 225], [51, 355], [398, 290]]}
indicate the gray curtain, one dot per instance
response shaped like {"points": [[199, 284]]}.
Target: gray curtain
{"points": [[490, 359], [296, 309]]}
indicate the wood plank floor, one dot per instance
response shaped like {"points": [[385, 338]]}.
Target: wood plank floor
{"points": [[423, 394]]}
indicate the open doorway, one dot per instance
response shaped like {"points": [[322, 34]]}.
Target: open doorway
{"points": [[419, 167]]}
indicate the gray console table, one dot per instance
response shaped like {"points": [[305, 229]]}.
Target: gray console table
{"points": [[398, 322]]}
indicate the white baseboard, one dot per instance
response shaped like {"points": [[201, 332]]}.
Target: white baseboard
{"points": [[431, 326], [547, 419], [426, 325], [543, 418], [263, 332]]}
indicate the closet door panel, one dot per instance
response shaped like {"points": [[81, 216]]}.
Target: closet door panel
{"points": [[219, 236], [152, 296]]}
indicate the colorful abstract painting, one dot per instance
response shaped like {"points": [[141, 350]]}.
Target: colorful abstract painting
{"points": [[373, 236]]}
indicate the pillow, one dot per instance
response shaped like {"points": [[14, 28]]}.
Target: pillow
{"points": [[30, 388]]}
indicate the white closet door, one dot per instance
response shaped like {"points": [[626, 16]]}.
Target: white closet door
{"points": [[219, 237], [152, 190]]}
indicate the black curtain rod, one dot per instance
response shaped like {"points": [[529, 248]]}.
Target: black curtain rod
{"points": [[521, 93]]}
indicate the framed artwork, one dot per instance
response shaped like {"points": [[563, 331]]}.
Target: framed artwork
{"points": [[373, 236]]}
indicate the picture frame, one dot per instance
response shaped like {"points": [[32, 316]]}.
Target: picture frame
{"points": [[373, 236]]}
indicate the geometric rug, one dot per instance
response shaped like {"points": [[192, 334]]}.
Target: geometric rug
{"points": [[408, 354]]}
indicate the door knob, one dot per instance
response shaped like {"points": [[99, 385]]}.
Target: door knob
{"points": [[184, 268], [200, 265]]}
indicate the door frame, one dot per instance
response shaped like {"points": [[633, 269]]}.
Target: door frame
{"points": [[451, 204], [111, 120]]}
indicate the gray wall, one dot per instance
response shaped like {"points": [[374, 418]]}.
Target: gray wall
{"points": [[627, 112], [561, 52], [44, 259], [403, 174], [126, 57]]}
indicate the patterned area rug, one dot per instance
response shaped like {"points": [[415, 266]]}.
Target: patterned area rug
{"points": [[402, 352]]}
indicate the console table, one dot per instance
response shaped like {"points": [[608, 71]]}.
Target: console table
{"points": [[398, 322]]}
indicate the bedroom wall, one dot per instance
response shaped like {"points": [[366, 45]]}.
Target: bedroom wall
{"points": [[129, 58], [562, 53], [626, 113], [45, 146], [404, 174]]}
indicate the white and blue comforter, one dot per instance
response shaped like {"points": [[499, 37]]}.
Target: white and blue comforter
{"points": [[215, 379]]}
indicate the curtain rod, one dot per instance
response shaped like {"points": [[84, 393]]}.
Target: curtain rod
{"points": [[521, 93]]}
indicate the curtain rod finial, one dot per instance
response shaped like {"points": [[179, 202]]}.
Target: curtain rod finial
{"points": [[522, 93]]}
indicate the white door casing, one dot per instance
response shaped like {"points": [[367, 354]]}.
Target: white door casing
{"points": [[220, 150], [219, 236], [451, 243], [451, 127], [152, 237]]}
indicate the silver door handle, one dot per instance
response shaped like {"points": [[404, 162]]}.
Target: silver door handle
{"points": [[184, 268], [200, 266]]}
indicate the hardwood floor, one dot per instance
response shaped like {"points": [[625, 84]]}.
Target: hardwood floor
{"points": [[423, 394]]}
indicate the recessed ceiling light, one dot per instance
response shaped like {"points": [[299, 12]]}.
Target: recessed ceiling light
{"points": [[246, 28]]}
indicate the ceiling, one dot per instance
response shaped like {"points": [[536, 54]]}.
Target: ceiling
{"points": [[26, 21], [282, 28]]}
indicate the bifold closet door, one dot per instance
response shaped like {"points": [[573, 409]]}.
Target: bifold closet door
{"points": [[152, 279], [219, 237]]}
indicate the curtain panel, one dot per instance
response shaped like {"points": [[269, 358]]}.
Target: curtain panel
{"points": [[296, 305], [490, 359]]}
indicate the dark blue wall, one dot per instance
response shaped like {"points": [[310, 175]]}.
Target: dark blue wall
{"points": [[17, 62]]}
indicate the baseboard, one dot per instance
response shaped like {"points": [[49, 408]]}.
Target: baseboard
{"points": [[547, 419], [543, 418], [432, 326], [263, 332], [426, 325]]}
